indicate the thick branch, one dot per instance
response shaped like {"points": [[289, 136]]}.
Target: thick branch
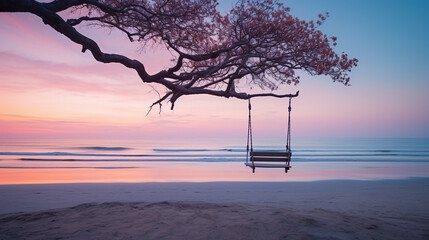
{"points": [[56, 22]]}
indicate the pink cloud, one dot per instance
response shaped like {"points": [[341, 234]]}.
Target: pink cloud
{"points": [[18, 72], [27, 35], [36, 128]]}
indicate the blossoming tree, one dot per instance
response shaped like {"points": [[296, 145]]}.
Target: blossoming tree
{"points": [[258, 43]]}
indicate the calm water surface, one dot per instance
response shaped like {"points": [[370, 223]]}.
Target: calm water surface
{"points": [[81, 160]]}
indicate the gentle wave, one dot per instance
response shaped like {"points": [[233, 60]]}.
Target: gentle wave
{"points": [[101, 154], [71, 154], [198, 150], [213, 159], [104, 148], [295, 153], [363, 150], [134, 160], [19, 167]]}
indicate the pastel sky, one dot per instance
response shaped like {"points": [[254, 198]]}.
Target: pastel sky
{"points": [[49, 89]]}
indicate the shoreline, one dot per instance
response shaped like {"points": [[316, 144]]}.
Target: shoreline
{"points": [[214, 171]]}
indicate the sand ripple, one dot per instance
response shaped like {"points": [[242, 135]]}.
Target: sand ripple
{"points": [[200, 220]]}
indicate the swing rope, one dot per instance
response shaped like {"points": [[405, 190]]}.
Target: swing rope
{"points": [[288, 127], [249, 149], [249, 134]]}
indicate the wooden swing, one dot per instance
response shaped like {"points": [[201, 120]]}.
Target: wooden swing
{"points": [[269, 159]]}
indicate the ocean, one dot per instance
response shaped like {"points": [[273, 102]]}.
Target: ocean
{"points": [[155, 160]]}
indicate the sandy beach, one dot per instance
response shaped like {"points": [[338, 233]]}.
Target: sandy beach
{"points": [[336, 209]]}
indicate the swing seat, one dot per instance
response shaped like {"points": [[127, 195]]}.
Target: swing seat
{"points": [[270, 160], [270, 156], [268, 165]]}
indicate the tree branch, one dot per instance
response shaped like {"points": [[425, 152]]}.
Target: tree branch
{"points": [[258, 40]]}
